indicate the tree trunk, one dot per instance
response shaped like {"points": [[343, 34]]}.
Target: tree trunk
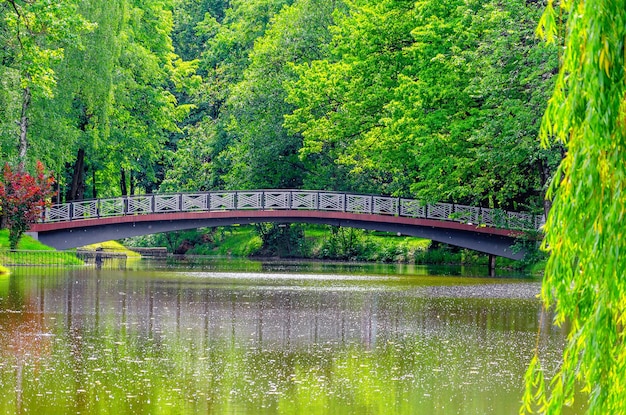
{"points": [[78, 178], [23, 146], [94, 191], [58, 196], [492, 265], [123, 182], [132, 182]]}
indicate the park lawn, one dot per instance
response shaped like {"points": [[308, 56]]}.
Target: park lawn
{"points": [[241, 241], [47, 256], [112, 246], [26, 242], [235, 241]]}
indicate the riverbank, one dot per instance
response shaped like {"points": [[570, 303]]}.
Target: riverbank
{"points": [[305, 242], [32, 252], [26, 243], [112, 246], [314, 242]]}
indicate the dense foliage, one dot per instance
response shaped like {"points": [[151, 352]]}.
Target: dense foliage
{"points": [[89, 88], [439, 100], [584, 281]]}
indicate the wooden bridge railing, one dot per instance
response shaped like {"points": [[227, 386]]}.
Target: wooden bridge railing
{"points": [[289, 200]]}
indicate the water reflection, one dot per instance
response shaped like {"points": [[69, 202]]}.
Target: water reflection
{"points": [[150, 342], [221, 264]]}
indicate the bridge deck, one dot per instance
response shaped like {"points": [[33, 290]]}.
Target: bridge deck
{"points": [[272, 215], [79, 223]]}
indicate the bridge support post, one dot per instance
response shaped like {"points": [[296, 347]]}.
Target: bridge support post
{"points": [[492, 265], [34, 235]]}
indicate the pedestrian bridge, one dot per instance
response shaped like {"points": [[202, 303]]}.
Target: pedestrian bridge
{"points": [[74, 224]]}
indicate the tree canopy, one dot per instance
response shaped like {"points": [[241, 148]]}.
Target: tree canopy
{"points": [[439, 100]]}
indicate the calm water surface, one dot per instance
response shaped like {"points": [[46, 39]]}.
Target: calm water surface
{"points": [[274, 339]]}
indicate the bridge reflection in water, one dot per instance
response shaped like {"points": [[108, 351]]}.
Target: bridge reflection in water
{"points": [[208, 342], [284, 310], [491, 231]]}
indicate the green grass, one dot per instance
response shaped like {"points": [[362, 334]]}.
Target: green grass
{"points": [[539, 268], [378, 238], [32, 252], [409, 241], [39, 257], [112, 246], [26, 243], [236, 241]]}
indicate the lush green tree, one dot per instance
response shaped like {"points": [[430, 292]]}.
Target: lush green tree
{"points": [[34, 35], [230, 40], [227, 35], [10, 106], [82, 103], [469, 110], [109, 92], [198, 163], [189, 35], [282, 240], [264, 154], [513, 76], [436, 99], [145, 110], [584, 279], [189, 38], [116, 105], [421, 131], [341, 98]]}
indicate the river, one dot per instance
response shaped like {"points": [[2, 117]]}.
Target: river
{"points": [[277, 338]]}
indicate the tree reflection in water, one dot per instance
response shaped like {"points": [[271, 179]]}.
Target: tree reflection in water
{"points": [[151, 342]]}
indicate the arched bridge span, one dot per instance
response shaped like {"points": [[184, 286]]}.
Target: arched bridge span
{"points": [[74, 224]]}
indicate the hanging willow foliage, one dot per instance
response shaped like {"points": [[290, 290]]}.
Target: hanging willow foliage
{"points": [[585, 279]]}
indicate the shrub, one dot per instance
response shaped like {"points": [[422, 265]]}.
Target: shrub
{"points": [[23, 198]]}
